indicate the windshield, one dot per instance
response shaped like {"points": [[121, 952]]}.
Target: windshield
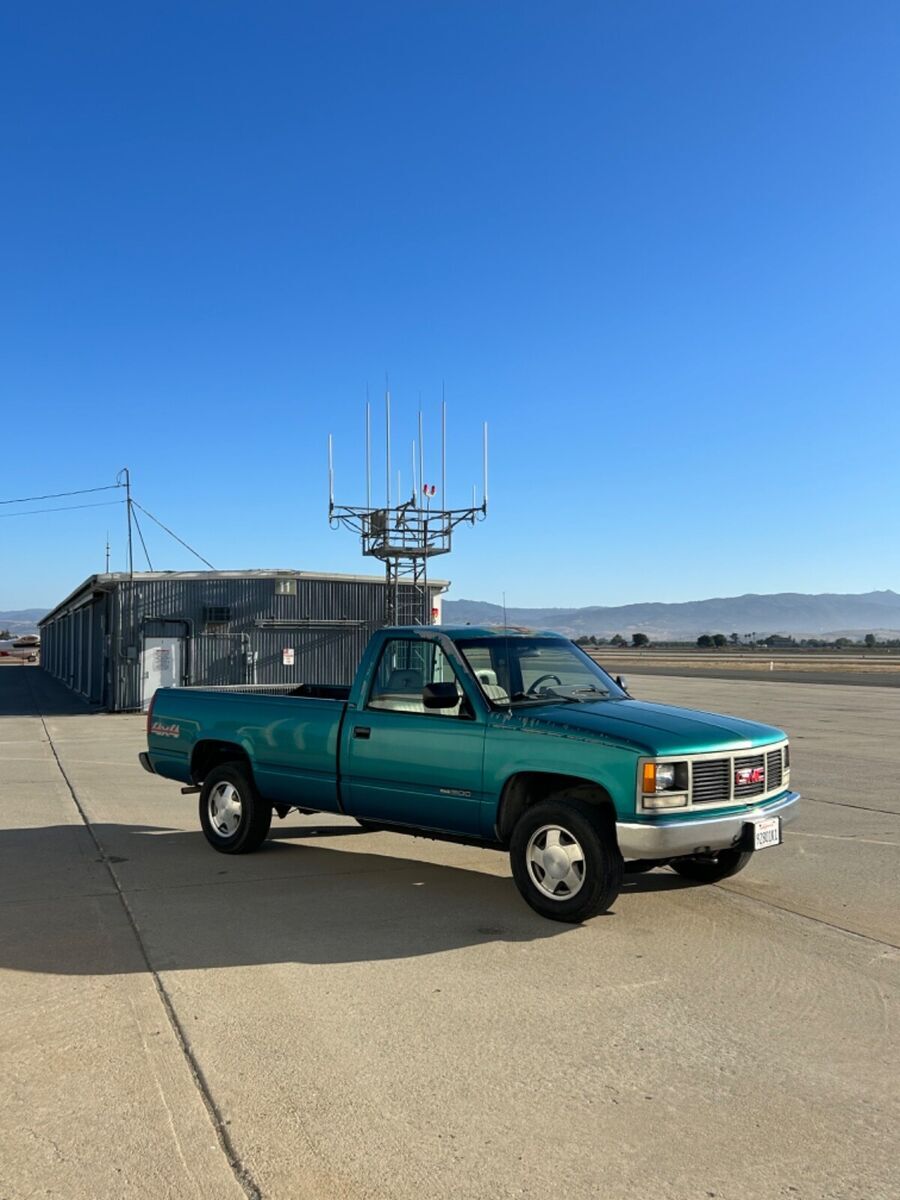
{"points": [[520, 670]]}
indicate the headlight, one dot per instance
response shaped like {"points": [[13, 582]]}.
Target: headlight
{"points": [[660, 777], [665, 776], [664, 785]]}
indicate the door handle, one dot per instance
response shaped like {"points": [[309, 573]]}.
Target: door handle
{"points": [[362, 731]]}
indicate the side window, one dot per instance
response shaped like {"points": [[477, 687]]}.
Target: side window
{"points": [[404, 668]]}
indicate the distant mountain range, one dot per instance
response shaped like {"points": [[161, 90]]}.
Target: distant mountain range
{"points": [[787, 613], [22, 620]]}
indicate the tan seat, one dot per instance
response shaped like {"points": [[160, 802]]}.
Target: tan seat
{"points": [[489, 685], [404, 694]]}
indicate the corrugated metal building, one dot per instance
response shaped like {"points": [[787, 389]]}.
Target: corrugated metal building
{"points": [[117, 637]]}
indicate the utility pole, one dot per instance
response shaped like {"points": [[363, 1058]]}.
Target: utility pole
{"points": [[124, 480]]}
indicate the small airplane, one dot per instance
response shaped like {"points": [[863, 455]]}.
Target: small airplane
{"points": [[26, 647]]}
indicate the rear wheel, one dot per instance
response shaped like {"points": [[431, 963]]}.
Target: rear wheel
{"points": [[565, 859], [710, 868], [234, 817]]}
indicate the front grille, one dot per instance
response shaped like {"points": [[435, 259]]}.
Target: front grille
{"points": [[774, 769], [711, 781], [714, 780]]}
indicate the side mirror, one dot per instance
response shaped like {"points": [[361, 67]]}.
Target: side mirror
{"points": [[622, 682], [440, 695]]}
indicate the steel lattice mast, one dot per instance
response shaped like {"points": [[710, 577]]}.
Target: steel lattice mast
{"points": [[406, 534]]}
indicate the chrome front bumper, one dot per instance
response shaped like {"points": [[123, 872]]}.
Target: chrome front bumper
{"points": [[671, 837]]}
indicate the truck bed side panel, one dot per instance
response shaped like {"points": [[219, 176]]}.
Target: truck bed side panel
{"points": [[292, 742]]}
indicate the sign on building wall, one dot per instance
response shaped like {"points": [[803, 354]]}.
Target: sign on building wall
{"points": [[287, 656]]}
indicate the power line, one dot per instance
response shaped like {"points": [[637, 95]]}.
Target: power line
{"points": [[64, 508], [56, 495], [171, 534]]}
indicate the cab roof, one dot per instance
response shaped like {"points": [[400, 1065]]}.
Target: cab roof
{"points": [[489, 631]]}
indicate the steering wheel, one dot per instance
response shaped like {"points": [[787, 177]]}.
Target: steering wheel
{"points": [[532, 690]]}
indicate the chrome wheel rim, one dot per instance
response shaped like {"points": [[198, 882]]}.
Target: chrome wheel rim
{"points": [[555, 861], [224, 809]]}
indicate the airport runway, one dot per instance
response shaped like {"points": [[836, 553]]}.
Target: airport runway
{"points": [[355, 1015]]}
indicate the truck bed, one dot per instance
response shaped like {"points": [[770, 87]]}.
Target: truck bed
{"points": [[291, 737]]}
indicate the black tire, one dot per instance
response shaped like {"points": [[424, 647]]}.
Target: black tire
{"points": [[251, 819], [710, 868], [593, 834]]}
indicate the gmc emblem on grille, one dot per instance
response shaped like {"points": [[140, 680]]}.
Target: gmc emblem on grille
{"points": [[745, 775]]}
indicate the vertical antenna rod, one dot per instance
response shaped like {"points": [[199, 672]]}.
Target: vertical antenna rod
{"points": [[443, 449], [368, 450], [107, 552], [485, 491], [421, 448], [387, 443], [330, 474]]}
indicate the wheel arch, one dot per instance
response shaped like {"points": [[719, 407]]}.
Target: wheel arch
{"points": [[530, 787], [213, 752]]}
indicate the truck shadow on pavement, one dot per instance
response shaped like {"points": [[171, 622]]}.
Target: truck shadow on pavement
{"points": [[317, 894]]}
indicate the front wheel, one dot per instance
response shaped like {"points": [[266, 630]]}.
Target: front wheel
{"points": [[234, 817], [710, 868], [565, 859]]}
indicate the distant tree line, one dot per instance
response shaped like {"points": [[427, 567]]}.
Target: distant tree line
{"points": [[707, 641], [637, 639]]}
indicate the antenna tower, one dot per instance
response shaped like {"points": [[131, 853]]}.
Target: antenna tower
{"points": [[405, 533]]}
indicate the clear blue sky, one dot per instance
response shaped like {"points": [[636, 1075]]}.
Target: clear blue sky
{"points": [[655, 245]]}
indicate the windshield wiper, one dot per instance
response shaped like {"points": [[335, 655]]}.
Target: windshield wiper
{"points": [[577, 695]]}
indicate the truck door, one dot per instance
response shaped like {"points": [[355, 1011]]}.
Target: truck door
{"points": [[406, 764]]}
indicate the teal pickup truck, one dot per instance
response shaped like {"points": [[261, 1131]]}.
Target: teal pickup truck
{"points": [[510, 739]]}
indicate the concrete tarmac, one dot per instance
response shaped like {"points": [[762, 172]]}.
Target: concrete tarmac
{"points": [[351, 1015]]}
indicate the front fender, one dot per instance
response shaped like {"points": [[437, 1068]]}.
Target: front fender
{"points": [[513, 750]]}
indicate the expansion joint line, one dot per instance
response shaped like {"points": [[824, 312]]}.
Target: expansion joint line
{"points": [[865, 937], [241, 1173]]}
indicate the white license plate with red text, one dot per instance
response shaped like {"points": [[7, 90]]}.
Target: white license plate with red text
{"points": [[766, 832]]}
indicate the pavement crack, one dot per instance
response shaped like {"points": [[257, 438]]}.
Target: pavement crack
{"points": [[241, 1173], [888, 812], [866, 937]]}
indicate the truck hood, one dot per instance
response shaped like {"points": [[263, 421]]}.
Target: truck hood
{"points": [[656, 729]]}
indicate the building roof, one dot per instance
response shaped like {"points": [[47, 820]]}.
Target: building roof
{"points": [[107, 582]]}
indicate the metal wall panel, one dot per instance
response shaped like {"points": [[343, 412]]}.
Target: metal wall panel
{"points": [[93, 645]]}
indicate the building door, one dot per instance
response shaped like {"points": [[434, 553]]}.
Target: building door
{"points": [[162, 665]]}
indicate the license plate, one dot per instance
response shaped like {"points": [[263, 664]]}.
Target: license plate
{"points": [[766, 833]]}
